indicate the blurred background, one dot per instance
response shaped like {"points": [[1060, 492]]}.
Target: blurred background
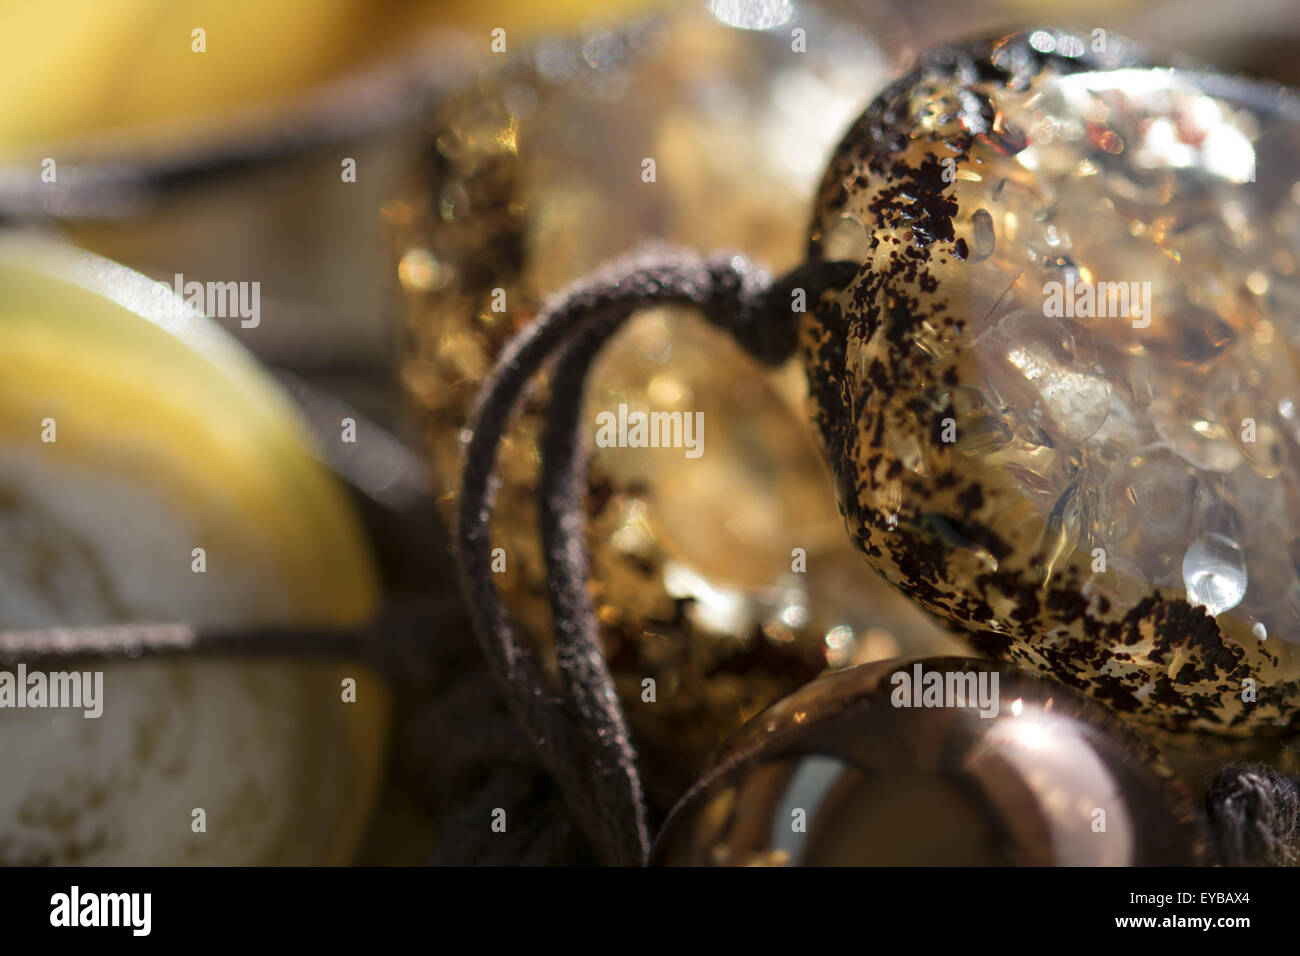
{"points": [[214, 140], [219, 164]]}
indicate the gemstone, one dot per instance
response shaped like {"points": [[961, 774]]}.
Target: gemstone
{"points": [[839, 773], [1059, 396]]}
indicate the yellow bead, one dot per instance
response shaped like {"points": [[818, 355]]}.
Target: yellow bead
{"points": [[150, 471]]}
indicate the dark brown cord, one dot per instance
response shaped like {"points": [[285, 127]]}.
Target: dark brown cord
{"points": [[110, 642], [581, 731], [386, 643]]}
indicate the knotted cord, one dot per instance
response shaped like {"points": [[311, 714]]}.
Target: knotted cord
{"points": [[581, 731]]}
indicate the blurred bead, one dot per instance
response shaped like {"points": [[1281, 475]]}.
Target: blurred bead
{"points": [[693, 568], [837, 773], [168, 91], [128, 438]]}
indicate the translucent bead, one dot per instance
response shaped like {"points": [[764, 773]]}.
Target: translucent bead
{"points": [[1087, 242], [725, 579]]}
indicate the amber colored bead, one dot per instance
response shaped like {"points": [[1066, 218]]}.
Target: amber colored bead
{"points": [[837, 774], [1060, 395]]}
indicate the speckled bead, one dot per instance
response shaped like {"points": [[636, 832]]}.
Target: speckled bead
{"points": [[1094, 486]]}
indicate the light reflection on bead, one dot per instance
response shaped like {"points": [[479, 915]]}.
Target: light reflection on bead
{"points": [[835, 774]]}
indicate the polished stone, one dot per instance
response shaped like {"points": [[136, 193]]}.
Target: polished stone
{"points": [[839, 774]]}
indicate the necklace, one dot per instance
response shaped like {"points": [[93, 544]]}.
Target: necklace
{"points": [[975, 436]]}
